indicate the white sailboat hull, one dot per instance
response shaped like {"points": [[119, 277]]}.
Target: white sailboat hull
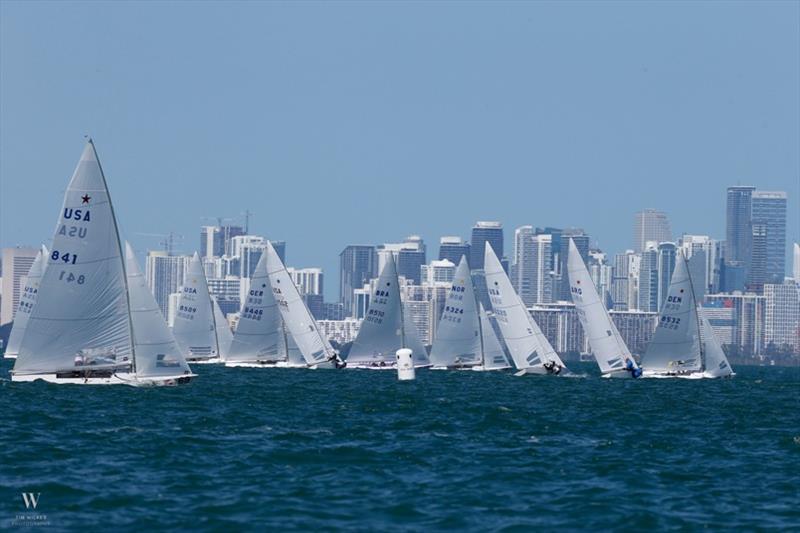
{"points": [[682, 375], [10, 356], [115, 379], [618, 374], [206, 361], [278, 364]]}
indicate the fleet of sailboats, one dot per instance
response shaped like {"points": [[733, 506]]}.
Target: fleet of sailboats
{"points": [[86, 316]]}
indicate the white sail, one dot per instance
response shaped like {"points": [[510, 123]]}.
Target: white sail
{"points": [[155, 349], [81, 317], [194, 321], [289, 351], [528, 346], [494, 356], [675, 346], [607, 346], [384, 330], [303, 328], [458, 341], [259, 334], [716, 364], [26, 302], [223, 329]]}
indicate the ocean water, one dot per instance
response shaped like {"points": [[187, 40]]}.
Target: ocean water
{"points": [[300, 450]]}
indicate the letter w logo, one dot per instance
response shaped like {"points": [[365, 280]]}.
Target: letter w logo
{"points": [[31, 499]]}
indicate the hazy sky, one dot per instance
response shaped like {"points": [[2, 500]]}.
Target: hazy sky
{"points": [[339, 123]]}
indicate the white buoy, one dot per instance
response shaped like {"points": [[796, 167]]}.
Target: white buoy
{"points": [[405, 365]]}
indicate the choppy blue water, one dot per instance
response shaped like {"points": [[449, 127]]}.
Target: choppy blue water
{"points": [[301, 449]]}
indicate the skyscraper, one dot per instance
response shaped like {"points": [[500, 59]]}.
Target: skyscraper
{"points": [[667, 255], [738, 232], [532, 274], [357, 265], [307, 280], [452, 248], [581, 240], [796, 262], [650, 225], [164, 273], [409, 256], [769, 210], [782, 320], [16, 264], [648, 279], [212, 242], [482, 232], [625, 281]]}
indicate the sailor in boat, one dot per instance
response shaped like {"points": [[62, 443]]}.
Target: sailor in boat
{"points": [[552, 368], [635, 372], [337, 361]]}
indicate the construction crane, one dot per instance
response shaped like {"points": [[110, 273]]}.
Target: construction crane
{"points": [[167, 240]]}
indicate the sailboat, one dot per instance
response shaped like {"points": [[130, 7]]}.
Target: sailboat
{"points": [[261, 339], [195, 326], [464, 337], [676, 349], [317, 352], [26, 302], [715, 365], [95, 321], [530, 350], [608, 348], [385, 328]]}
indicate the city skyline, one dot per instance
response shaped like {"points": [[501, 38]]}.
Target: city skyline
{"points": [[350, 145]]}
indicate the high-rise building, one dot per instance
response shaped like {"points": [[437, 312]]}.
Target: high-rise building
{"points": [[520, 270], [796, 262], [769, 211], [602, 276], [453, 248], [738, 234], [757, 271], [704, 256], [667, 255], [648, 279], [357, 265], [212, 242], [650, 225], [16, 264], [561, 290], [560, 324], [625, 281], [441, 271], [340, 331], [739, 317], [409, 256], [164, 273], [307, 280], [636, 328], [782, 315], [227, 292], [483, 232]]}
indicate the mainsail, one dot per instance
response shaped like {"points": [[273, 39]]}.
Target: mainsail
{"points": [[304, 330], [527, 344], [259, 334], [494, 357], [384, 330], [607, 345], [81, 316], [675, 346], [156, 352], [223, 330], [26, 302], [458, 335], [194, 321], [716, 364]]}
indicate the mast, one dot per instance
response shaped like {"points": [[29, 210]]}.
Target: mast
{"points": [[121, 256], [695, 313], [214, 320], [480, 328], [402, 314]]}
